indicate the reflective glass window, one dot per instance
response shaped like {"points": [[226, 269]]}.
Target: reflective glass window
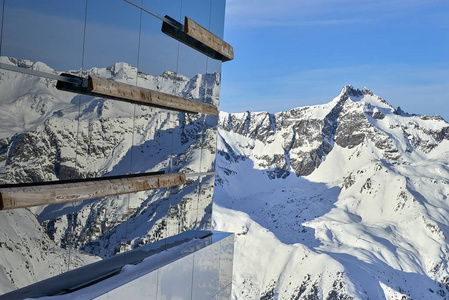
{"points": [[50, 32], [206, 270], [225, 294], [112, 39], [226, 261], [175, 280], [205, 198], [144, 287], [158, 54], [49, 134]]}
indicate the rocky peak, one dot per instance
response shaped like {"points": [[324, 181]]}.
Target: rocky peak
{"points": [[350, 91], [366, 91]]}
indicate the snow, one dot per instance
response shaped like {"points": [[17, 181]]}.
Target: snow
{"points": [[376, 225], [368, 220]]}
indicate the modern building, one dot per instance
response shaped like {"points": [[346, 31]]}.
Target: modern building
{"points": [[108, 114]]}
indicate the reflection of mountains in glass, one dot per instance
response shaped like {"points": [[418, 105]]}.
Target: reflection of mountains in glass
{"points": [[94, 136], [48, 134], [42, 98]]}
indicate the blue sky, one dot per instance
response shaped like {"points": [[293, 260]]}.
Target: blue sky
{"points": [[292, 53]]}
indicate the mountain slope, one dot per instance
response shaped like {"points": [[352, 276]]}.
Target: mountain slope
{"points": [[346, 200]]}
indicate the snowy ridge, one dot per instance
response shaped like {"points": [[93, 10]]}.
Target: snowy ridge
{"points": [[367, 218]]}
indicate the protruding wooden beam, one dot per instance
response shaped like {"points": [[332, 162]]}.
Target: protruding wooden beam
{"points": [[197, 37], [27, 195], [121, 90], [206, 37], [101, 87]]}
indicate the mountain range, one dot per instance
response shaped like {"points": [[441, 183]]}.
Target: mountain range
{"points": [[345, 200]]}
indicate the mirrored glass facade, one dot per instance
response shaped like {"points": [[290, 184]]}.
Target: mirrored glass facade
{"points": [[47, 134]]}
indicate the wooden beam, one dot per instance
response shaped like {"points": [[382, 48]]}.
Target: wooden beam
{"points": [[198, 38], [27, 195], [121, 90], [206, 37], [101, 87]]}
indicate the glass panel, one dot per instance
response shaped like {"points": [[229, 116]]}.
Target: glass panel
{"points": [[158, 52], [28, 22], [51, 30], [217, 17], [144, 287], [112, 39], [175, 280], [205, 202], [183, 206], [209, 144], [226, 261], [2, 3], [192, 63], [49, 126], [157, 66], [213, 81], [205, 272], [38, 133], [147, 152], [225, 294], [162, 8], [198, 11], [111, 51]]}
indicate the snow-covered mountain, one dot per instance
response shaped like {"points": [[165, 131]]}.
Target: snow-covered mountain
{"points": [[47, 134], [346, 200]]}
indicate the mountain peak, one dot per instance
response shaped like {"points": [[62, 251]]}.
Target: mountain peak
{"points": [[364, 95], [351, 91], [366, 91]]}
